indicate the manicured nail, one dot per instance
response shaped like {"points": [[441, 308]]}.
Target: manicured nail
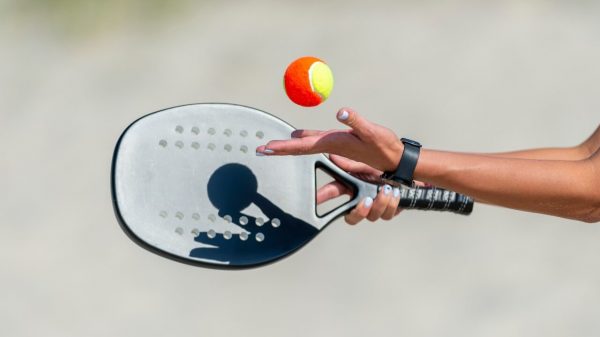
{"points": [[263, 152], [387, 189], [396, 192], [368, 202], [343, 115]]}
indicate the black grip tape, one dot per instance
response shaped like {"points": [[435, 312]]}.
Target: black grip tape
{"points": [[435, 199]]}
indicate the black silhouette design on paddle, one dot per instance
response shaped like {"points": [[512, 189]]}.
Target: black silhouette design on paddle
{"points": [[232, 188]]}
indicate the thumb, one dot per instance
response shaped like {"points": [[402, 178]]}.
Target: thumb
{"points": [[360, 126]]}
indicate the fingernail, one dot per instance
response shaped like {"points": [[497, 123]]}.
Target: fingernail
{"points": [[343, 115], [396, 192], [264, 152], [387, 189], [368, 202]]}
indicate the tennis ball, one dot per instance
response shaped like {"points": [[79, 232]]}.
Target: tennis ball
{"points": [[308, 81]]}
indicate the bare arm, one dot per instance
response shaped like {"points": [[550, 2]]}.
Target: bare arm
{"points": [[562, 182], [563, 188], [578, 152], [567, 168]]}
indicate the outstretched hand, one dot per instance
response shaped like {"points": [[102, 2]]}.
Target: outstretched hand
{"points": [[364, 150], [366, 142]]}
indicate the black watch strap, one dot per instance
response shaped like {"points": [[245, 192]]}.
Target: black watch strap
{"points": [[408, 162]]}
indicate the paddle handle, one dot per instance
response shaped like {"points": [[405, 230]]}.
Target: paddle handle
{"points": [[437, 199]]}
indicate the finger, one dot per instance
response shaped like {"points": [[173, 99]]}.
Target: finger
{"points": [[305, 133], [336, 141], [359, 212], [306, 145], [360, 126], [380, 203], [343, 162], [332, 190], [353, 166], [392, 206], [422, 184]]}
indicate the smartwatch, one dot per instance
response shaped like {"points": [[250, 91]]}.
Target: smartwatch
{"points": [[406, 168]]}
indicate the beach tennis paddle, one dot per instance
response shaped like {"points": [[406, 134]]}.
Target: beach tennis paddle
{"points": [[186, 184]]}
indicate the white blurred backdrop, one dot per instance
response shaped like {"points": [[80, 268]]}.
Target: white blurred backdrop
{"points": [[459, 75]]}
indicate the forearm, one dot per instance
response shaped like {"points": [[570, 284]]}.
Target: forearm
{"points": [[578, 152], [566, 153], [568, 189]]}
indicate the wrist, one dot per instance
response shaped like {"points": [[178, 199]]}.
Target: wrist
{"points": [[423, 166], [394, 156], [403, 172], [429, 167]]}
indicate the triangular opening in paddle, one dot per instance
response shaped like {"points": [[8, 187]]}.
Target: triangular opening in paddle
{"points": [[330, 193]]}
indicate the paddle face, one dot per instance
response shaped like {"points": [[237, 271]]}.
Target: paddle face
{"points": [[187, 184]]}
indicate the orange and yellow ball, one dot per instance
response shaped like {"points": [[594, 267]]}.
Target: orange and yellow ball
{"points": [[308, 81]]}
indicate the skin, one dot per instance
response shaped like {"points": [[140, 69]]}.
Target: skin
{"points": [[563, 182]]}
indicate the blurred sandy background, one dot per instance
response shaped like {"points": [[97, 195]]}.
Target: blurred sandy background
{"points": [[459, 75]]}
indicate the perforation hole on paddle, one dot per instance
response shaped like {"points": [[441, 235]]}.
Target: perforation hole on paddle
{"points": [[260, 237], [211, 233]]}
